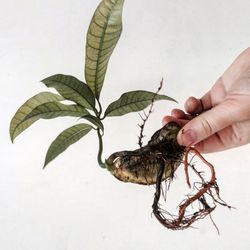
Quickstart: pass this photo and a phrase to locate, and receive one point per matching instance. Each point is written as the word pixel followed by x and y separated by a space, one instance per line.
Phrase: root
pixel 206 189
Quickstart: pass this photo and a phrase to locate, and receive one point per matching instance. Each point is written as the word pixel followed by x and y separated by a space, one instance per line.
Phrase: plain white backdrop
pixel 74 204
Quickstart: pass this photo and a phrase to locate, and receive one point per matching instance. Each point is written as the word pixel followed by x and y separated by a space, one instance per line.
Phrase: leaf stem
pixel 99 156
pixel 100 108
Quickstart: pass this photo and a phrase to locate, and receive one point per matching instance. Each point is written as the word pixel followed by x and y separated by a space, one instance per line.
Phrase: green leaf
pixel 55 109
pixel 133 101
pixel 72 89
pixel 96 121
pixel 103 34
pixel 65 139
pixel 19 123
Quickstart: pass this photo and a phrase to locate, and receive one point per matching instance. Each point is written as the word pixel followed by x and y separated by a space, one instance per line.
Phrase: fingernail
pixel 187 137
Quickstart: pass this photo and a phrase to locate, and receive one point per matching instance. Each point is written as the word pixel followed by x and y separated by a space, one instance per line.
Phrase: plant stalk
pixel 100 108
pixel 99 156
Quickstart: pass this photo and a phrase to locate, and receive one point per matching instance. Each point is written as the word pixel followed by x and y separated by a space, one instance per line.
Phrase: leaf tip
pixel 12 137
pixel 46 161
pixel 44 80
pixel 45 164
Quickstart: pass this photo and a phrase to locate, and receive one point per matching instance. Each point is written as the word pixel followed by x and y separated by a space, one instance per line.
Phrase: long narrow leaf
pixel 65 139
pixel 133 101
pixel 72 89
pixel 103 34
pixel 18 123
pixel 55 109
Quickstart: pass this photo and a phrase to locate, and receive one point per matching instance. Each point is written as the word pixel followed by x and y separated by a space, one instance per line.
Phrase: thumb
pixel 209 122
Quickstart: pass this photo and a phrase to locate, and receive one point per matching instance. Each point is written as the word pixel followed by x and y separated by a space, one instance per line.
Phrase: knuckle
pixel 207 127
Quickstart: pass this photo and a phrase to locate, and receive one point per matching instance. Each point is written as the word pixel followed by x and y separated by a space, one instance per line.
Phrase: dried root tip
pixel 146 115
pixel 205 189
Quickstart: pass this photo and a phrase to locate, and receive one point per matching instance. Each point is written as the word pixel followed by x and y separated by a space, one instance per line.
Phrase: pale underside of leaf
pixel 65 139
pixel 133 101
pixel 103 34
pixel 72 89
pixel 18 123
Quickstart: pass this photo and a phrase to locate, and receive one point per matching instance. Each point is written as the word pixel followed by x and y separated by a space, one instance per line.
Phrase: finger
pixel 168 119
pixel 209 122
pixel 180 114
pixel 192 105
pixel 229 137
pixel 213 143
pixel 206 101
pixel 195 106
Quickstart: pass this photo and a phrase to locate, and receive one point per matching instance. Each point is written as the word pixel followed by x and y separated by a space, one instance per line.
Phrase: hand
pixel 221 118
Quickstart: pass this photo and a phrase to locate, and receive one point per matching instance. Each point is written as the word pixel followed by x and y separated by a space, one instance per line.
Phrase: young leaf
pixel 103 34
pixel 65 139
pixel 96 121
pixel 72 89
pixel 55 109
pixel 133 101
pixel 18 123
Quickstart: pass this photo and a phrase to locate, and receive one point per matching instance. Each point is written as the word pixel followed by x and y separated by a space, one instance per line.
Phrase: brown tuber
pixel 157 162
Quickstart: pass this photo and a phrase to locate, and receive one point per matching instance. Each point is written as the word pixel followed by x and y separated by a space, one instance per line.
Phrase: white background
pixel 74 204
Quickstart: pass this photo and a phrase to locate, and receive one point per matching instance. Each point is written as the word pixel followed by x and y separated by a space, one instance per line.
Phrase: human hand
pixel 221 118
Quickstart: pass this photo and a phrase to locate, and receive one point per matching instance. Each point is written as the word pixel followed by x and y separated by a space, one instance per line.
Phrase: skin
pixel 220 119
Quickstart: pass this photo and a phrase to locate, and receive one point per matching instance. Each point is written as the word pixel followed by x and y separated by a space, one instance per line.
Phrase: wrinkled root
pixel 205 189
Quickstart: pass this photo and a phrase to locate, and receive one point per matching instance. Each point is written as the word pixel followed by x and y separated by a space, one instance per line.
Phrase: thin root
pixel 205 189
